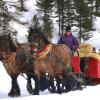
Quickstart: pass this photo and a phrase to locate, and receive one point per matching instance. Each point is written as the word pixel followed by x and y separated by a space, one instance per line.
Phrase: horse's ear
pixel 9 35
pixel 12 43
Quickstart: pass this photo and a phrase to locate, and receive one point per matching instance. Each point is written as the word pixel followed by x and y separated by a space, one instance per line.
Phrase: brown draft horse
pixel 58 58
pixel 55 63
pixel 16 60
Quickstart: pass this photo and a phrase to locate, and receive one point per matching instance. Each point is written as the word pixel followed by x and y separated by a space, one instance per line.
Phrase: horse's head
pixel 37 38
pixel 6 45
pixel 33 35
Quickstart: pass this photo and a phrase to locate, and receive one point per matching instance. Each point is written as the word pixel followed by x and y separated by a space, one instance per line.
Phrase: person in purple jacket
pixel 72 42
pixel 69 40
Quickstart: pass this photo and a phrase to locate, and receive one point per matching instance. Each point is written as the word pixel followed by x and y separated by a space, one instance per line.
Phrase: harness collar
pixel 42 53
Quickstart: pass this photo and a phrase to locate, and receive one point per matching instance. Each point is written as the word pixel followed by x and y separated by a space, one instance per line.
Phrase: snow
pixel 90 92
pixel 27 17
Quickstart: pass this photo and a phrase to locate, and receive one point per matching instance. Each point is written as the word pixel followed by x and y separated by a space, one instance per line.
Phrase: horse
pixel 53 63
pixel 58 57
pixel 16 59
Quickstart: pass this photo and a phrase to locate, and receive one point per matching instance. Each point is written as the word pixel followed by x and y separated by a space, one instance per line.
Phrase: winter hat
pixel 68 28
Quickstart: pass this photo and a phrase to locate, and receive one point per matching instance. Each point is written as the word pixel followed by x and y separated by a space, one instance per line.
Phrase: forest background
pixel 51 17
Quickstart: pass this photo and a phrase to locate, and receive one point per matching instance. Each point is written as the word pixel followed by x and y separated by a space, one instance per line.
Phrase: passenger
pixel 72 42
pixel 69 40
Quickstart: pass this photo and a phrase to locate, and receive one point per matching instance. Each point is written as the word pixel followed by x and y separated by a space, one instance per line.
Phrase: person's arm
pixel 75 44
pixel 60 40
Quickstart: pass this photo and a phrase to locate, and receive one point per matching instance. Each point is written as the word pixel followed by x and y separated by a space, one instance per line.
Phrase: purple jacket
pixel 71 41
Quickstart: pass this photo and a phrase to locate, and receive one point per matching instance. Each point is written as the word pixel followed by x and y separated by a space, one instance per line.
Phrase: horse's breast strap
pixel 42 53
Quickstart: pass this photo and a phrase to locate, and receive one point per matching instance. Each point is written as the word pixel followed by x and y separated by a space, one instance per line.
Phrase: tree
pixel 97 8
pixel 4 21
pixel 5 18
pixel 59 13
pixel 19 5
pixel 35 23
pixel 45 8
pixel 69 12
pixel 22 5
pixel 65 13
pixel 83 18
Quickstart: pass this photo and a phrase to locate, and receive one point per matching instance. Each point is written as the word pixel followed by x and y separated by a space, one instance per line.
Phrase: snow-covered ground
pixel 90 92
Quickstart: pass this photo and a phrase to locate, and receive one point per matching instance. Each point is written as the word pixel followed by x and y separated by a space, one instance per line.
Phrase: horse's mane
pixel 43 37
pixel 40 34
pixel 13 45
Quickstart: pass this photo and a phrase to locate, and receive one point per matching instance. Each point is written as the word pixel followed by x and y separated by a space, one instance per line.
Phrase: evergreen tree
pixel 5 28
pixel 97 8
pixel 22 5
pixel 65 13
pixel 4 20
pixel 58 14
pixel 45 9
pixel 69 12
pixel 35 23
pixel 83 18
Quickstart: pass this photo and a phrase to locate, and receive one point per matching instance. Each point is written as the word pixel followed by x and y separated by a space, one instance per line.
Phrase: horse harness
pixel 47 51
pixel 39 54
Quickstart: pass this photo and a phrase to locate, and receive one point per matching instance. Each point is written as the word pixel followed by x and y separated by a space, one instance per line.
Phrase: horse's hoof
pixel 30 91
pixel 35 92
pixel 51 90
pixel 80 88
pixel 59 92
pixel 13 94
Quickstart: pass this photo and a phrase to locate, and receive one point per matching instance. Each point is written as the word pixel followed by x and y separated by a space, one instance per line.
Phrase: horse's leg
pixel 73 83
pixel 52 87
pixel 67 85
pixel 29 85
pixel 58 85
pixel 37 85
pixel 15 90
